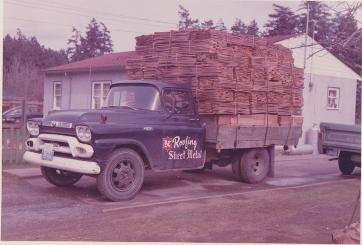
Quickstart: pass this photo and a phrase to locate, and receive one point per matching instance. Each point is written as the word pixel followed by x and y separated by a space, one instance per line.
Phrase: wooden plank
pixel 251 133
pixel 226 137
pixel 239 74
pixel 211 128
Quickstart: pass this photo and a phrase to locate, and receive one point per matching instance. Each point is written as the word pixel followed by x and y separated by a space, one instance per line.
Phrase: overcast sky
pixel 51 21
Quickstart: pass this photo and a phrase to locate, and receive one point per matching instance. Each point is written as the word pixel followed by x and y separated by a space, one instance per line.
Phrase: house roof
pixel 278 38
pixel 323 63
pixel 103 62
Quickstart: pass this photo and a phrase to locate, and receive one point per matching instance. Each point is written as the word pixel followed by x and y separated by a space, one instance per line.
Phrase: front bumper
pixel 73 165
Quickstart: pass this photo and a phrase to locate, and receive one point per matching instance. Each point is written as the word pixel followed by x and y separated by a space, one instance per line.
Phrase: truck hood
pixel 116 115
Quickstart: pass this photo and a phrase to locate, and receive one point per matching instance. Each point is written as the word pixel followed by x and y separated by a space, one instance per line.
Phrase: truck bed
pixel 340 137
pixel 238 136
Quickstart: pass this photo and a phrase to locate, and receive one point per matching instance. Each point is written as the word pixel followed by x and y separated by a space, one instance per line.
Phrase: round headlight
pixel 83 133
pixel 33 128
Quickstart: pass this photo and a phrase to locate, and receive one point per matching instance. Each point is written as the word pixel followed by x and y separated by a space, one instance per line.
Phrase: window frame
pixel 55 96
pixel 102 95
pixel 337 97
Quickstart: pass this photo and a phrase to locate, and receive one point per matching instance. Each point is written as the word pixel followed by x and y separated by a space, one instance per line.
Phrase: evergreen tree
pixel 282 22
pixel 252 28
pixel 97 41
pixel 239 27
pixel 185 21
pixel 220 26
pixel 208 25
pixel 344 26
pixel 74 50
pixel 24 58
pixel 332 31
pixel 319 21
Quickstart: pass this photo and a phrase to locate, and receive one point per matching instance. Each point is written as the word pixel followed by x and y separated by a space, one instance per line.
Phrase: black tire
pixel 345 164
pixel 60 177
pixel 122 176
pixel 253 165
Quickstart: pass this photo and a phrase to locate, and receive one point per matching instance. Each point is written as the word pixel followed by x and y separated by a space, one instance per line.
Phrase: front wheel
pixel 122 176
pixel 252 166
pixel 60 177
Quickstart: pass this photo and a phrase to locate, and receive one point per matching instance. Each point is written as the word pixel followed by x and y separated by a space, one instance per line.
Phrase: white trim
pixel 54 96
pixel 74 165
pixel 101 83
pixel 337 97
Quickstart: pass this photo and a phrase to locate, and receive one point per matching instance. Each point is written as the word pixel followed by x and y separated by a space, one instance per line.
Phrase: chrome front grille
pixel 61 144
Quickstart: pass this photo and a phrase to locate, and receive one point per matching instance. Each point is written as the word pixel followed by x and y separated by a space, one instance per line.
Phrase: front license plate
pixel 47 152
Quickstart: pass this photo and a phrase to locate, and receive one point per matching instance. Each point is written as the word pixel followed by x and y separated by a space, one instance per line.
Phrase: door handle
pixel 193 119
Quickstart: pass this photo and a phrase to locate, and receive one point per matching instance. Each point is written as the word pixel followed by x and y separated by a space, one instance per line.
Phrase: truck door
pixel 183 135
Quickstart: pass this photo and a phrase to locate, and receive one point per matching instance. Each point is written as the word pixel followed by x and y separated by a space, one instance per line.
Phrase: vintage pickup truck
pixel 146 125
pixel 343 141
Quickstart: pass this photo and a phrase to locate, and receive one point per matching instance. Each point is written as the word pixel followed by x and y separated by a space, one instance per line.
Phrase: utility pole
pixel 311 58
pixel 306 36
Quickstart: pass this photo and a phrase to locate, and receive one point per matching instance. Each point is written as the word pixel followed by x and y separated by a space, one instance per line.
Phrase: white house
pixel 329 85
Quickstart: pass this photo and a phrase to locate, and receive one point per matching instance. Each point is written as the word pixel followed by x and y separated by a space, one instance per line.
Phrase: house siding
pixel 76 88
pixel 315 102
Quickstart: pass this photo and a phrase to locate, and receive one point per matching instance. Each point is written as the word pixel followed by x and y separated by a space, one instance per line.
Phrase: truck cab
pixel 144 125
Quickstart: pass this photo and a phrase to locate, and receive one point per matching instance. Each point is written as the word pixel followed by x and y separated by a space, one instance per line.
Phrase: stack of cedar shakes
pixel 241 79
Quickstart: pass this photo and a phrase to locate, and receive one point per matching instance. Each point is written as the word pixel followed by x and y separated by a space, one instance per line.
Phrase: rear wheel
pixel 252 166
pixel 122 176
pixel 60 177
pixel 345 164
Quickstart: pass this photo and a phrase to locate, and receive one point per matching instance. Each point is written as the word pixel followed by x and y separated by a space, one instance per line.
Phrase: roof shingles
pixel 103 62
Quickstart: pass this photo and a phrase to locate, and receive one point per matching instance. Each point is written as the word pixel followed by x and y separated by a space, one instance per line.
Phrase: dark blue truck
pixel 146 125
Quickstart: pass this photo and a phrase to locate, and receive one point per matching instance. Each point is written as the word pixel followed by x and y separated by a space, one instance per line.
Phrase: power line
pixel 118 15
pixel 75 12
pixel 72 12
pixel 67 26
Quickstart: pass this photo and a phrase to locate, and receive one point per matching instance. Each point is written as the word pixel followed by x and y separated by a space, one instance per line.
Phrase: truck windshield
pixel 144 97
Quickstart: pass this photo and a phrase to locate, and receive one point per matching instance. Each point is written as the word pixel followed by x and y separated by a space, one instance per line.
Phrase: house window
pixel 57 95
pixel 99 93
pixel 333 98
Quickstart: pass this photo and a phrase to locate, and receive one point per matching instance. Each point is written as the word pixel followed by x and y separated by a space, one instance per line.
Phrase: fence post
pixel 11 145
pixel 4 145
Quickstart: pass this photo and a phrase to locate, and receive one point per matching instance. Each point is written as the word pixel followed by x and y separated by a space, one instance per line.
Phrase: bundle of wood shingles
pixel 229 74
